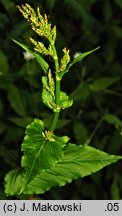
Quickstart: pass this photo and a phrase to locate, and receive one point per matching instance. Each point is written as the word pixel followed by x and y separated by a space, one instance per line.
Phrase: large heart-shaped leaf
pixel 42 150
pixel 78 161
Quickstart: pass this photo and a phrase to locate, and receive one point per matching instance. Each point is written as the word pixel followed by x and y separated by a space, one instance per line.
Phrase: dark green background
pixel 81 25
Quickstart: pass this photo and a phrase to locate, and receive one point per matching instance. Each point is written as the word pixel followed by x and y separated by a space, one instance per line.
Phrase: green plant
pixel 49 160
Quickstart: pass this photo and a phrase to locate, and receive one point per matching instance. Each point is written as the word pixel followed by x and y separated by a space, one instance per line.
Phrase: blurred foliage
pixel 95 86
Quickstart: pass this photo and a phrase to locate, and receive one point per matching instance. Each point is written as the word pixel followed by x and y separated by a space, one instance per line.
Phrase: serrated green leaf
pixel 44 65
pixel 42 149
pixel 78 161
pixel 13 182
pixel 80 57
pixel 16 100
pixel 103 83
pixel 40 152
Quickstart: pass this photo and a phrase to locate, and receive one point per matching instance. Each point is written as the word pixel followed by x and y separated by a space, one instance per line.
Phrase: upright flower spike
pixel 65 60
pixel 40 47
pixel 53 33
pixel 40 24
pixel 29 13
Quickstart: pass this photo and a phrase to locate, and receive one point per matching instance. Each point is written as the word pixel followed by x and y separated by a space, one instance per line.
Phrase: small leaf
pixel 78 161
pixel 16 100
pixel 65 102
pixel 44 65
pixel 112 119
pixel 103 83
pixel 80 57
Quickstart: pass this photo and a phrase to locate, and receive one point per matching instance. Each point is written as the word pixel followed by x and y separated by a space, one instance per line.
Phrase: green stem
pixel 57 93
pixel 55 120
pixel 57 90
